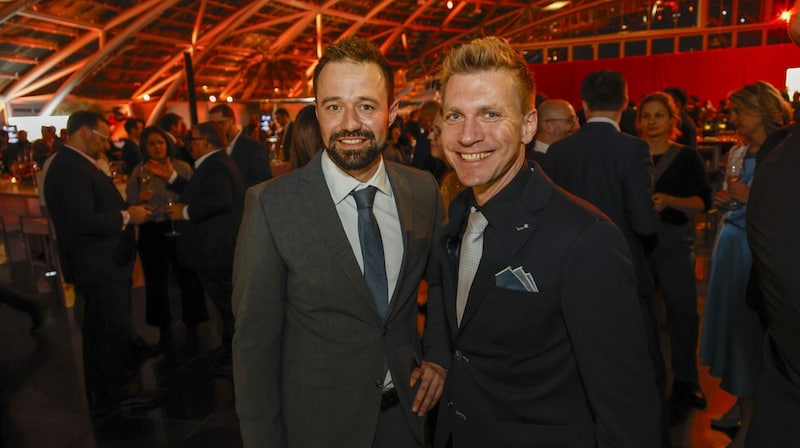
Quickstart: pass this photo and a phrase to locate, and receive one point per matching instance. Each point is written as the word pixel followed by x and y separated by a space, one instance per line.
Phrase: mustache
pixel 364 133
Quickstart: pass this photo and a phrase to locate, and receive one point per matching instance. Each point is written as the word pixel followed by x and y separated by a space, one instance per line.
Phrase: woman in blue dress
pixel 732 336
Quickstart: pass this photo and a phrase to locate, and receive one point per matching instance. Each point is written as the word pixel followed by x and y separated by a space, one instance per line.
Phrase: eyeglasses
pixel 103 138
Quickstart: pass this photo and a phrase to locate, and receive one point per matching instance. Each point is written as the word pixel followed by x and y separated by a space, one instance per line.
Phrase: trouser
pixel 219 288
pixel 158 255
pixel 654 351
pixel 393 430
pixel 673 264
pixel 103 313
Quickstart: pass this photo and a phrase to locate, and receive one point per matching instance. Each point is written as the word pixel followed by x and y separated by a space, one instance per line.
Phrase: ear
pixel 529 123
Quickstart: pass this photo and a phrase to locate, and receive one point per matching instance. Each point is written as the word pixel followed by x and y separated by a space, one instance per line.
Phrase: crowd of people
pixel 542 238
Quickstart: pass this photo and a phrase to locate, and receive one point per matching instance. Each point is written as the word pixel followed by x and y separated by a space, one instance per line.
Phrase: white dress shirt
pixel 340 184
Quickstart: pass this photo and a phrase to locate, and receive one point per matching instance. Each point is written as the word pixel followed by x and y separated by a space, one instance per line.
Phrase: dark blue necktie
pixel 369 234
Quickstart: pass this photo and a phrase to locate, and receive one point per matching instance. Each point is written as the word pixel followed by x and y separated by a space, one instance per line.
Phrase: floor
pixel 43 404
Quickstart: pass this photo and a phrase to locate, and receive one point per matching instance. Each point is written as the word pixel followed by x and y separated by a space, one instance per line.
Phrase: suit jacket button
pixel 449 403
pixel 458 355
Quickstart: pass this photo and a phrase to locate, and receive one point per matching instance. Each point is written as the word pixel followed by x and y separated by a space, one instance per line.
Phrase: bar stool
pixel 38 233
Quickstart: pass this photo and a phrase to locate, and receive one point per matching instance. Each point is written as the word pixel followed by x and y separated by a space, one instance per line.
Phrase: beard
pixel 353 160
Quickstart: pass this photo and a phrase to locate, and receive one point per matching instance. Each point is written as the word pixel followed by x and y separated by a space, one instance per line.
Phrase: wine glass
pixel 172 233
pixel 732 174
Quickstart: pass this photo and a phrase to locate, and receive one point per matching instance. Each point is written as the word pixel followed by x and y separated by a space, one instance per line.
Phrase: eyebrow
pixel 329 99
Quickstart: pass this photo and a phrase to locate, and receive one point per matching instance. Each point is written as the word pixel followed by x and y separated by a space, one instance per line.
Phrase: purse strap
pixel 664 163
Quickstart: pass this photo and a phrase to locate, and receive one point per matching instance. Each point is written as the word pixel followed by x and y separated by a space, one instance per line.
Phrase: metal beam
pixel 65 52
pixel 63 21
pixel 14 8
pixel 155 8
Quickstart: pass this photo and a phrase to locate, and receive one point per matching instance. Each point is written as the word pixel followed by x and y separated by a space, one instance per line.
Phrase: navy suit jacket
pixel 614 172
pixel 252 158
pixel 566 366
pixel 85 206
pixel 215 196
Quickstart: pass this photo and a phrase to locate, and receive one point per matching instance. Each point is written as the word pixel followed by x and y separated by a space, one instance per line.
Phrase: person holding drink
pixel 732 338
pixel 156 245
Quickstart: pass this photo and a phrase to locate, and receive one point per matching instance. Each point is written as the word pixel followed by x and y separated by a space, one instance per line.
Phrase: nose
pixel 351 121
pixel 471 132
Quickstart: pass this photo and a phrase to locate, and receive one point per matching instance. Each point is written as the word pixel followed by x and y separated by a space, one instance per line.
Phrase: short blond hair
pixel 490 54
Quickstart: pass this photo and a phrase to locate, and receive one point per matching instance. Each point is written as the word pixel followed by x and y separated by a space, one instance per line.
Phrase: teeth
pixel 351 141
pixel 478 156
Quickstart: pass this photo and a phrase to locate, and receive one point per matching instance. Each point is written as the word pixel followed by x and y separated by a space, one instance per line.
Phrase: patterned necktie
pixel 469 258
pixel 369 234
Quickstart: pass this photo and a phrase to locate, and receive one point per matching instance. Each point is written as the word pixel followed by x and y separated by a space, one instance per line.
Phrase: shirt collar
pixel 86 156
pixel 229 149
pixel 497 207
pixel 540 146
pixel 340 184
pixel 199 161
pixel 604 120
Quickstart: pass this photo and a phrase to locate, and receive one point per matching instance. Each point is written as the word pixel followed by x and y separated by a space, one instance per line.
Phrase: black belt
pixel 389 399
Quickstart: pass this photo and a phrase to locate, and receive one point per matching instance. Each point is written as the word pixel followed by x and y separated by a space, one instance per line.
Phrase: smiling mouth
pixel 473 157
pixel 352 141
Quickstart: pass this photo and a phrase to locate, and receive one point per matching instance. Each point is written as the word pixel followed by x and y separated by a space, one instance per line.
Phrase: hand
pixel 661 201
pixel 145 195
pixel 139 213
pixel 430 389
pixel 739 192
pixel 722 199
pixel 162 170
pixel 175 211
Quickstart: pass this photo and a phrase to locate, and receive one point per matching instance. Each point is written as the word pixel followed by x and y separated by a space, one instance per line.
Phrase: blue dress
pixel 732 337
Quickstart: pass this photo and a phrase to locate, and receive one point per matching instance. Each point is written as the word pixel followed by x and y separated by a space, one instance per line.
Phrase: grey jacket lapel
pixel 315 195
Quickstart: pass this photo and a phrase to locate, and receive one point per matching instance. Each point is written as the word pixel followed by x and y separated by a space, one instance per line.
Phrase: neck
pixel 658 145
pixel 611 114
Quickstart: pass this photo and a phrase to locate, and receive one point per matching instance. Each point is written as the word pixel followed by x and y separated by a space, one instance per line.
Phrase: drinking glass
pixel 732 174
pixel 172 233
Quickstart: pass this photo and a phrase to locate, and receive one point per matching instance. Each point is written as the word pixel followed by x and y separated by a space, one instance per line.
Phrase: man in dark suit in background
pixel 614 172
pixel 285 138
pixel 687 128
pixel 176 129
pixel 250 156
pixel 209 213
pixel 326 351
pixel 97 248
pixel 557 120
pixel 421 157
pixel 548 338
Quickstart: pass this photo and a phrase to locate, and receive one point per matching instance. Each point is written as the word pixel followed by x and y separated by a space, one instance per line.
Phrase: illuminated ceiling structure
pixel 262 49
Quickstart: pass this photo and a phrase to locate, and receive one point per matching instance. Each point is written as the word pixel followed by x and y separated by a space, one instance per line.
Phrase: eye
pixel 452 116
pixel 367 107
pixel 333 107
pixel 491 115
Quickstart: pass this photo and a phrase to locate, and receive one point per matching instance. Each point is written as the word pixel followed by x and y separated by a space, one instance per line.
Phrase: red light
pixel 786 16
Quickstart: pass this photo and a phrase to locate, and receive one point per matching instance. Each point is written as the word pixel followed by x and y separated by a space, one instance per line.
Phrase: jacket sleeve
pixel 604 320
pixel 436 340
pixel 638 191
pixel 259 297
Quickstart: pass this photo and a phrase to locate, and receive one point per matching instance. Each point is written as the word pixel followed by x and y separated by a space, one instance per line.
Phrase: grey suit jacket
pixel 309 346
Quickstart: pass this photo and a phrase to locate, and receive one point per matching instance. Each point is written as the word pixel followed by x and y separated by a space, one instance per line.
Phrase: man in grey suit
pixel 319 359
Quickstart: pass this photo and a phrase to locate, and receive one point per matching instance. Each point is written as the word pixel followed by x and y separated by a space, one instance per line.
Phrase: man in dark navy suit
pixel 209 213
pixel 549 346
pixel 251 157
pixel 95 229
